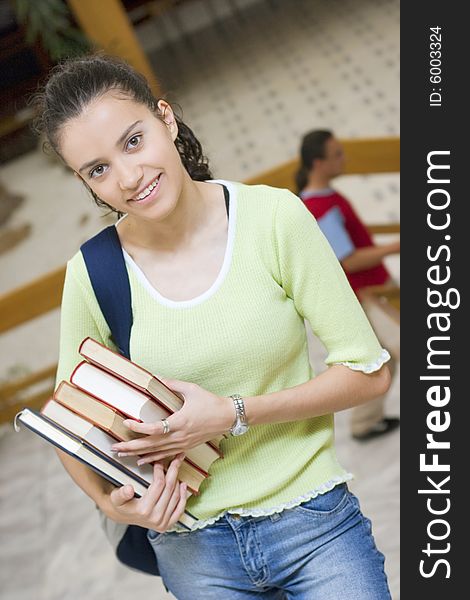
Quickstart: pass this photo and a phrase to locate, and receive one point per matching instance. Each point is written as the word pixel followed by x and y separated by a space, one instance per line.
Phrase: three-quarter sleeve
pixel 314 279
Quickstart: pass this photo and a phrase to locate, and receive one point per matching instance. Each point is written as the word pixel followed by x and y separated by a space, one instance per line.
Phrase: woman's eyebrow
pixel 121 139
pixel 126 133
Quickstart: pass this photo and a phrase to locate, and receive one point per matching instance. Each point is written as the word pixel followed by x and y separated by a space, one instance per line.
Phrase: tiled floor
pixel 249 85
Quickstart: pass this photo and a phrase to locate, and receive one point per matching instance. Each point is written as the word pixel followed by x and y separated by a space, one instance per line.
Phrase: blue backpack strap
pixel 106 267
pixel 108 275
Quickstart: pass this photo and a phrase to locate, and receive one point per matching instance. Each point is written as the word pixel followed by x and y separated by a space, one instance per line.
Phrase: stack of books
pixel 85 418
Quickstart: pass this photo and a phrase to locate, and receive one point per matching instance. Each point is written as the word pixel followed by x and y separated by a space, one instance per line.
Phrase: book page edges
pixel 67 419
pixel 43 427
pixel 86 405
pixel 80 427
pixel 110 390
pixel 162 393
pixel 129 371
pixel 148 383
pixel 115 363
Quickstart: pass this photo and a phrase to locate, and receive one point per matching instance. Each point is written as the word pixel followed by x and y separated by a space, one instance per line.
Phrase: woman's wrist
pixel 229 414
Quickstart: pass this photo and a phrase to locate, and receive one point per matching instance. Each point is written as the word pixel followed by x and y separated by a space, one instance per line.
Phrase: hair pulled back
pixel 75 83
pixel 312 147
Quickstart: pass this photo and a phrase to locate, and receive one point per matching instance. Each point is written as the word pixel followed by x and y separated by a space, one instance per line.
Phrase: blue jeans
pixel 320 550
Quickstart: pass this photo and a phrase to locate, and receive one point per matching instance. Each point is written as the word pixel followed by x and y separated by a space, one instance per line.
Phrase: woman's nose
pixel 130 177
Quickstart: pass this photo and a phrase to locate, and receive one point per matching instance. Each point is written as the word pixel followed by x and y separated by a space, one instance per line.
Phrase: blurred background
pixel 250 78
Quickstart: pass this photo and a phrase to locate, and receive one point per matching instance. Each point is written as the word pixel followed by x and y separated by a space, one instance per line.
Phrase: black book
pixel 112 470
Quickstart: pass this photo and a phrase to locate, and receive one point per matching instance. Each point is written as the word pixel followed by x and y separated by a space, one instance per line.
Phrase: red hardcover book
pixel 104 416
pixel 134 404
pixel 134 375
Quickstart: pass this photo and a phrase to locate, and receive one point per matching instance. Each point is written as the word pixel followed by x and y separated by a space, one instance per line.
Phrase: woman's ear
pixel 168 117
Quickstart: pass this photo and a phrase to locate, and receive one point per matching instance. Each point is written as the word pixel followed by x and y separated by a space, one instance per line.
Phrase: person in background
pixel 322 159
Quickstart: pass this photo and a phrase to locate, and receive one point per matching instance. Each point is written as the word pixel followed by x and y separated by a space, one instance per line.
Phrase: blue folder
pixel 332 227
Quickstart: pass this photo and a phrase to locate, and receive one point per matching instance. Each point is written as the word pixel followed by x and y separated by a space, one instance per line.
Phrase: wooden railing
pixel 363 157
pixel 17 307
pixel 366 156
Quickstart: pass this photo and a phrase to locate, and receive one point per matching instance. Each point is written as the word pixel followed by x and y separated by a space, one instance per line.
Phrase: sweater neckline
pixel 217 283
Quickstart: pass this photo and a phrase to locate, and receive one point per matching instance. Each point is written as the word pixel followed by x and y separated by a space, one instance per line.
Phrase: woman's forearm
pixel 368 257
pixel 336 389
pixel 204 413
pixel 94 486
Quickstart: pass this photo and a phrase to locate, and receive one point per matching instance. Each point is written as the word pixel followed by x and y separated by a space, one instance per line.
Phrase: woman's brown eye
pixel 134 141
pixel 97 171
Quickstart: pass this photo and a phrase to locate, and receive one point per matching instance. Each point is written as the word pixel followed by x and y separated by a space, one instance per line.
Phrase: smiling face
pixel 126 155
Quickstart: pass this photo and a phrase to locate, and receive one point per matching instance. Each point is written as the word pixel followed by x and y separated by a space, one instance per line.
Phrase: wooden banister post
pixel 106 24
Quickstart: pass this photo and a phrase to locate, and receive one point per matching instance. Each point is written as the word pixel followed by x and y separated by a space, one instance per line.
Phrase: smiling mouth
pixel 147 190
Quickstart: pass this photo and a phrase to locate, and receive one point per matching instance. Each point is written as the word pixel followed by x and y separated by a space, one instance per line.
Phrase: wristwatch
pixel 240 425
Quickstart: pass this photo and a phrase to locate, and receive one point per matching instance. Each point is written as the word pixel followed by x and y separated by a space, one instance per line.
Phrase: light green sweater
pixel 246 335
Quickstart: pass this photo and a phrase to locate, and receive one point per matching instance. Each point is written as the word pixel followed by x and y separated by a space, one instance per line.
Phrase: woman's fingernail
pixel 121 454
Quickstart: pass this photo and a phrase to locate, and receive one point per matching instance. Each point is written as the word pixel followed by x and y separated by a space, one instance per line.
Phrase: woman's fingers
pixel 172 474
pixel 147 428
pixel 154 503
pixel 161 500
pixel 171 481
pixel 173 502
pixel 165 453
pixel 139 446
pixel 167 449
pixel 154 491
pixel 179 510
pixel 122 495
pixel 182 388
pixel 150 458
pixel 153 439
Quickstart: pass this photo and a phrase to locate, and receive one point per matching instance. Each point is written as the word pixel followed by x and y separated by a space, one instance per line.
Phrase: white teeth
pixel 148 189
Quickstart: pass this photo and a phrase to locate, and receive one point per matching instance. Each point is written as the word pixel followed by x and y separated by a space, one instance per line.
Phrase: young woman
pixel 222 276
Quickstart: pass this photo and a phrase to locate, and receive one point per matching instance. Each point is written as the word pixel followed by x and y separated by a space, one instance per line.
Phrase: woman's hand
pixel 160 507
pixel 202 417
pixel 394 247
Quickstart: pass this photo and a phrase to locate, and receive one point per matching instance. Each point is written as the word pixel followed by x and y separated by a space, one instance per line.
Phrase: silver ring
pixel 166 426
